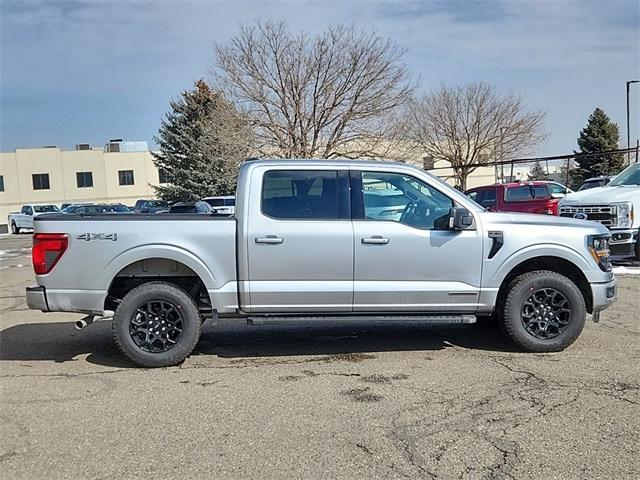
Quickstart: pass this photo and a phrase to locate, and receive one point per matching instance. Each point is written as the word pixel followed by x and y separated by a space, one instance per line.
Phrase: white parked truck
pixel 616 206
pixel 24 219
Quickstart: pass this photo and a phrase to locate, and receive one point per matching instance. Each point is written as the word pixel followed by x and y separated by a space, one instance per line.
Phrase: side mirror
pixel 459 218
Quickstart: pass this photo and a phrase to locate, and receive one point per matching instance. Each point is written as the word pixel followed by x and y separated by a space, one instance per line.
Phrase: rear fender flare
pixel 146 252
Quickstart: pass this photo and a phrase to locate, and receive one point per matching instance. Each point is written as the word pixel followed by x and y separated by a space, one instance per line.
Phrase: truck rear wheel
pixel 544 311
pixel 157 325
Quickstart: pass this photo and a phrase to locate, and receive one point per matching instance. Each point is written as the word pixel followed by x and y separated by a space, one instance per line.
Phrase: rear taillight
pixel 48 248
pixel 552 207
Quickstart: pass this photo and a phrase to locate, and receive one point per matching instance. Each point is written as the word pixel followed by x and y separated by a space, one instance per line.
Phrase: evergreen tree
pixel 203 139
pixel 537 172
pixel 600 135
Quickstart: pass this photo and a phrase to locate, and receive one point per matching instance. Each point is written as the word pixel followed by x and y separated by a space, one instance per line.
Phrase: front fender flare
pixel 542 250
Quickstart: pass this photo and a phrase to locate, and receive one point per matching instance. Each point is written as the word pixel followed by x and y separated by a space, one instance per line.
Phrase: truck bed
pixel 102 247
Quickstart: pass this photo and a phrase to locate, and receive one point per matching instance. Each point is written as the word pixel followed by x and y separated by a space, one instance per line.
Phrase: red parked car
pixel 529 197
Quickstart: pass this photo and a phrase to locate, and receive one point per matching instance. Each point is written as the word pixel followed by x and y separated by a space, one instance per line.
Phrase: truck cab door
pixel 299 241
pixel 411 261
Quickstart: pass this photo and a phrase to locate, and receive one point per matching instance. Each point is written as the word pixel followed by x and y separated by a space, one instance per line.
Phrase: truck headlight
pixel 599 248
pixel 624 214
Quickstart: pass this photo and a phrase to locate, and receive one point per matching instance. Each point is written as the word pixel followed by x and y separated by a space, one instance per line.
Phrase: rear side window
pixel 300 194
pixel 526 192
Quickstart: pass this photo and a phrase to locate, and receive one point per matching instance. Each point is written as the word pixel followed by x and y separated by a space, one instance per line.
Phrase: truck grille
pixel 605 214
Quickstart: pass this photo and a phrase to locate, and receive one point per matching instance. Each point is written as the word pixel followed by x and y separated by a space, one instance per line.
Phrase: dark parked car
pixel 88 208
pixel 150 206
pixel 530 197
pixel 595 182
pixel 191 207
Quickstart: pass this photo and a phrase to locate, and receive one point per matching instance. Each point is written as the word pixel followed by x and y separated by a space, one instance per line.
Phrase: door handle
pixel 270 240
pixel 375 240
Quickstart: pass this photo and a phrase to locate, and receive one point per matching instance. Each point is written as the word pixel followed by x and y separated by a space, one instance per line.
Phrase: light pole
pixel 629 82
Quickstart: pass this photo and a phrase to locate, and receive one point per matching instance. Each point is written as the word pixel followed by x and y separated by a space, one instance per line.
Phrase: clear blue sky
pixel 86 71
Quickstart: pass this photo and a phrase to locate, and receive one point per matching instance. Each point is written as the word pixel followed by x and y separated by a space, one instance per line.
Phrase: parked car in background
pixel 595 182
pixel 84 208
pixel 150 206
pixel 65 205
pixel 302 248
pixel 225 205
pixel 191 207
pixel 529 197
pixel 24 218
pixel 616 206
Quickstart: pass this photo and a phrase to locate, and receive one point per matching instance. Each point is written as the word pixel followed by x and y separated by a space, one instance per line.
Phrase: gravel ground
pixel 316 401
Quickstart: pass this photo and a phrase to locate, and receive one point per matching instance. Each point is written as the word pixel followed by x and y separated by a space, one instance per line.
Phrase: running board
pixel 430 319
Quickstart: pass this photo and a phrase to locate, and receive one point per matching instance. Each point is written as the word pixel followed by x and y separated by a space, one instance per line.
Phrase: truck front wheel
pixel 157 325
pixel 544 311
pixel 14 228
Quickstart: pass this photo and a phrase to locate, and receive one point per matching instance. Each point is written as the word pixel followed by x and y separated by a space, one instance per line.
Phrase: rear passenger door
pixel 299 241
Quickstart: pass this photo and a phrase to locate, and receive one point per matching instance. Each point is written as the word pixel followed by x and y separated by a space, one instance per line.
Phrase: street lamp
pixel 629 82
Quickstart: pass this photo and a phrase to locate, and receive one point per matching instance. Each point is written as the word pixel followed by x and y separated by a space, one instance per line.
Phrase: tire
pixel 637 249
pixel 14 228
pixel 151 308
pixel 527 295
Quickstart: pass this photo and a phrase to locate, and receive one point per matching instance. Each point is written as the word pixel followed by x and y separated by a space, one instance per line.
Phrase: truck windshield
pixel 629 176
pixel 45 208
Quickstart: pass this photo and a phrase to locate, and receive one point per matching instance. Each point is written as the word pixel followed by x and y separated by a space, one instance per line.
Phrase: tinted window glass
pixel 45 208
pixel 125 177
pixel 485 197
pixel 215 202
pixel 526 192
pixel 413 203
pixel 229 202
pixel 40 181
pixel 300 194
pixel 84 179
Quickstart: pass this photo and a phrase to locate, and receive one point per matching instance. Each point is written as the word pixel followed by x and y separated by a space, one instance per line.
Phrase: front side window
pixel 557 188
pixel 300 194
pixel 84 179
pixel 404 199
pixel 125 177
pixel 40 181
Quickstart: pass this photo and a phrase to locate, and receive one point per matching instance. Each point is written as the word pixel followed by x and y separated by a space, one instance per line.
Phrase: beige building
pixel 51 175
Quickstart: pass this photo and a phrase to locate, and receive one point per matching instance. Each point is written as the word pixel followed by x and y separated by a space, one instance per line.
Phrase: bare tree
pixel 473 125
pixel 335 94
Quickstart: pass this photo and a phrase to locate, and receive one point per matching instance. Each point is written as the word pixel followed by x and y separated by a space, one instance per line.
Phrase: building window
pixel 84 179
pixel 125 177
pixel 163 176
pixel 40 181
pixel 1 183
pixel 428 163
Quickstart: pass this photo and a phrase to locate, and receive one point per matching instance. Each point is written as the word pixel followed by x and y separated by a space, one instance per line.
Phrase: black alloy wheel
pixel 546 313
pixel 156 326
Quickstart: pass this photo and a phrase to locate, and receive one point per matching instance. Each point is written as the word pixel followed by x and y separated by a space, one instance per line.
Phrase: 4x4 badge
pixel 97 236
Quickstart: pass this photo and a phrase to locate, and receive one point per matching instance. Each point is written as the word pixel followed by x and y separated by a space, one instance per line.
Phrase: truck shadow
pixel 61 342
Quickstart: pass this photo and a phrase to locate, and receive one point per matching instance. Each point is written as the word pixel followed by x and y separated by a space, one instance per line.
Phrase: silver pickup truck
pixel 311 241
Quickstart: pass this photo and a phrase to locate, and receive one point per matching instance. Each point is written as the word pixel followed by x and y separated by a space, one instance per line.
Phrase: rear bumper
pixel 604 294
pixel 37 298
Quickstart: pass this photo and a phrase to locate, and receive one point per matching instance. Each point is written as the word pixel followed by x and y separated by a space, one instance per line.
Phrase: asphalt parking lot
pixel 316 401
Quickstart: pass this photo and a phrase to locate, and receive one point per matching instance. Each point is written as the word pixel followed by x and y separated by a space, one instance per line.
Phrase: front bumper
pixel 623 242
pixel 37 298
pixel 604 294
